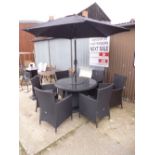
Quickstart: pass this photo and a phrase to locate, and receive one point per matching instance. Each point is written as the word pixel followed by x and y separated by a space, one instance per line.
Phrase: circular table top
pixel 82 84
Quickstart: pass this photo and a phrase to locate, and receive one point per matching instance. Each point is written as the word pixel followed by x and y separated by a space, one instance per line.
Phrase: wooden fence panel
pixel 122 48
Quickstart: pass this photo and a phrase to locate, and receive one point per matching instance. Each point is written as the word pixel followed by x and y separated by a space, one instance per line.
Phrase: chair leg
pixel 21 84
pixel 55 130
pixel 79 115
pixel 121 106
pixel 36 108
pixel 96 124
pixel 39 121
pixel 27 88
pixel 40 117
pixel 40 79
pixel 109 115
pixel 37 105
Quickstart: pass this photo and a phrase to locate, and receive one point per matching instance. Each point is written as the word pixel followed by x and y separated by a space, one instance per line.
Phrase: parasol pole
pixel 71 56
pixel 75 60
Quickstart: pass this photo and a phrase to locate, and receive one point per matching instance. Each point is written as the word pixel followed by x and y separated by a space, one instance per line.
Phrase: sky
pixel 117 10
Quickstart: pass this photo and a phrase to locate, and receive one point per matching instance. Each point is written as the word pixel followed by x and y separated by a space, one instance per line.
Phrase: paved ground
pixel 78 136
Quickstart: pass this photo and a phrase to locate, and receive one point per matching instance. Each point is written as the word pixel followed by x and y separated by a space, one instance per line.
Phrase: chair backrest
pixel 119 81
pixel 36 81
pixel 103 98
pixel 62 74
pixel 46 100
pixel 98 75
pixel 26 75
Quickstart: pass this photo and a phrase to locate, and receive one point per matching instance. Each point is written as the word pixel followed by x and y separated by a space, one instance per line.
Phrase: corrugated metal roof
pixel 131 23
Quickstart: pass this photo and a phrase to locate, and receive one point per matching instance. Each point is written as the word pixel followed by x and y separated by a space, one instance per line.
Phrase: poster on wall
pixel 99 52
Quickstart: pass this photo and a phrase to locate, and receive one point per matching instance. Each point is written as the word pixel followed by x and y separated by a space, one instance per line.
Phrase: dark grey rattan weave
pixel 36 83
pixel 98 75
pixel 95 109
pixel 62 74
pixel 52 110
pixel 119 83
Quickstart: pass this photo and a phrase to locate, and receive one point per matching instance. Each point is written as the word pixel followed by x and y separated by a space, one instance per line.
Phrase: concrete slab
pixel 79 136
pixel 35 137
pixel 121 128
pixel 87 140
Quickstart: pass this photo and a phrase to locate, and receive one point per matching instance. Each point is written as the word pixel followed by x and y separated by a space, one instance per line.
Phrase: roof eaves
pixel 127 24
pixel 42 39
pixel 29 22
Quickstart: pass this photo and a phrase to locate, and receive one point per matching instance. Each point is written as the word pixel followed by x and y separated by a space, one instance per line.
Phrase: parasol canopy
pixel 74 26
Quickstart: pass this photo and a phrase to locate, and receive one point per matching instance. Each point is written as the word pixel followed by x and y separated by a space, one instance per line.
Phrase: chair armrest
pixel 65 99
pixel 48 90
pixel 48 87
pixel 102 85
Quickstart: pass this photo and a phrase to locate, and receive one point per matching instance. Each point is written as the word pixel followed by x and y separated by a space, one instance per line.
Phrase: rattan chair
pixel 62 74
pixel 36 83
pixel 25 78
pixel 119 84
pixel 52 110
pixel 95 109
pixel 98 75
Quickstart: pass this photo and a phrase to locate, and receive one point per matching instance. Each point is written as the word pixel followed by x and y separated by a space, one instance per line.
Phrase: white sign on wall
pixel 99 52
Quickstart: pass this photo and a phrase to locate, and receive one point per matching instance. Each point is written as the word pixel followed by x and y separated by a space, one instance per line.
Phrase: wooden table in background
pixel 47 75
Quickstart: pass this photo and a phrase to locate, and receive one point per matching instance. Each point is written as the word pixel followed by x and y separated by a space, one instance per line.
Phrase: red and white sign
pixel 99 52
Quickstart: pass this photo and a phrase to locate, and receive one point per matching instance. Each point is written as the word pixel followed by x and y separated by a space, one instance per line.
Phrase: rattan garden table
pixel 69 85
